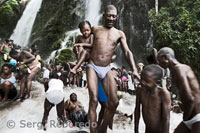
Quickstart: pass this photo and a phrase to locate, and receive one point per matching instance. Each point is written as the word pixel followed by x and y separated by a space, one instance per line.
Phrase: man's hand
pixel 135 75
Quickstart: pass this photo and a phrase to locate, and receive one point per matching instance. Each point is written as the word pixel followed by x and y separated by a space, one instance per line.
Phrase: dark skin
pixel 188 89
pixel 6 86
pixel 156 104
pixel 72 105
pixel 27 58
pixel 48 106
pixel 83 46
pixel 106 38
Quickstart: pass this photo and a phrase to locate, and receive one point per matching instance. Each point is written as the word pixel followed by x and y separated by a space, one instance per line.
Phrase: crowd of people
pixel 94 50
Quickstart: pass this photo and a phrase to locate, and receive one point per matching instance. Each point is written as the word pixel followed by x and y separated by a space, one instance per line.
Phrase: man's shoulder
pixel 181 68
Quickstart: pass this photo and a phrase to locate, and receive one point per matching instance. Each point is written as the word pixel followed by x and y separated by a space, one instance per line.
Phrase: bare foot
pixel 4 99
pixel 26 96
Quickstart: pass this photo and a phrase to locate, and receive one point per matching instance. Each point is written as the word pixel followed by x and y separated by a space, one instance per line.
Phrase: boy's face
pixel 86 30
pixel 148 81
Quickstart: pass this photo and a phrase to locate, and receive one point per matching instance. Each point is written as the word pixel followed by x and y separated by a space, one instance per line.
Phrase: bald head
pixel 166 51
pixel 110 7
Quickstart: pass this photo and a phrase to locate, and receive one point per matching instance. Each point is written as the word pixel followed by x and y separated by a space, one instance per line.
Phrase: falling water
pixel 26 116
pixel 92 15
pixel 93 11
pixel 24 26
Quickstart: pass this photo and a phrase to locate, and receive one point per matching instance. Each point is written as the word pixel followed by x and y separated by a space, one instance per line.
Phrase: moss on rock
pixel 10 13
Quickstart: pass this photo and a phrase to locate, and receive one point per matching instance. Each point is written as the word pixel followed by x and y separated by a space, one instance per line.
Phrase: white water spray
pixel 24 26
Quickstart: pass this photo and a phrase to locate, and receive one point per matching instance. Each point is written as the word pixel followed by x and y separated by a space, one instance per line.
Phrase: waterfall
pixel 92 14
pixel 150 39
pixel 24 26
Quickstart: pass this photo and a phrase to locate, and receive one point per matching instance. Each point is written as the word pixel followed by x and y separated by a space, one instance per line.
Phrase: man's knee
pixel 93 102
pixel 113 104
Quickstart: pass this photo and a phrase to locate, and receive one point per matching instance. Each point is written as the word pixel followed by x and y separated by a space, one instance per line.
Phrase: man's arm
pixel 137 109
pixel 128 54
pixel 185 92
pixel 165 108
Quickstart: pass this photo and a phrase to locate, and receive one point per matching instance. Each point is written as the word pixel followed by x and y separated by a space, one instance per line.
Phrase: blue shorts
pixel 101 94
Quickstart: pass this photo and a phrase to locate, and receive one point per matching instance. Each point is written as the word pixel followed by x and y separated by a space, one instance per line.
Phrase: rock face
pixel 53 20
pixel 10 13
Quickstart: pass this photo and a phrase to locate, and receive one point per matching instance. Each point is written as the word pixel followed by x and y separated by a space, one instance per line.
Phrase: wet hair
pixel 80 26
pixel 166 51
pixel 156 70
pixel 110 7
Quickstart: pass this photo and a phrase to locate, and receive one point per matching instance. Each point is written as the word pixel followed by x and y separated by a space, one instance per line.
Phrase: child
pixel 83 44
pixel 155 101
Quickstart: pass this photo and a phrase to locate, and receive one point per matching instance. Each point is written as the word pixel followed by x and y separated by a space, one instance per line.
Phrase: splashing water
pixel 24 26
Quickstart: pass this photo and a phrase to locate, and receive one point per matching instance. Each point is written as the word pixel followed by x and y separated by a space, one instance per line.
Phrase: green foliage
pixel 56 45
pixel 66 55
pixel 10 12
pixel 178 27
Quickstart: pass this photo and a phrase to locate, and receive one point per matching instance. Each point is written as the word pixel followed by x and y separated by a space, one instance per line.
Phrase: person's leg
pixel 181 128
pixel 93 95
pixel 83 55
pixel 6 88
pixel 196 127
pixel 109 85
pixel 101 113
pixel 22 86
pixel 30 77
pixel 47 108
pixel 60 111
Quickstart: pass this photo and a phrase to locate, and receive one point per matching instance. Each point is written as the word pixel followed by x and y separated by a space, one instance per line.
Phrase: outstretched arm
pixel 128 55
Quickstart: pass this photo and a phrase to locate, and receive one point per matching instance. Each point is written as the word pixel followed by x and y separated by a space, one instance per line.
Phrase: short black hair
pixel 166 51
pixel 156 70
pixel 83 23
pixel 6 65
pixel 110 7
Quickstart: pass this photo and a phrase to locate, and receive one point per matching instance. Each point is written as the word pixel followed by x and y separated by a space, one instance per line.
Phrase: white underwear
pixel 55 96
pixel 195 119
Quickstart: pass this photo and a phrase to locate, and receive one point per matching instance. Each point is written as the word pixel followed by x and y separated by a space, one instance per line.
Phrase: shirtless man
pixel 75 111
pixel 188 88
pixel 155 101
pixel 26 58
pixel 106 38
